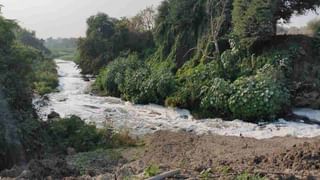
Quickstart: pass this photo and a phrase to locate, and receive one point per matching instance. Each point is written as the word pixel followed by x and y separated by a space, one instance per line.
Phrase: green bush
pixel 253 19
pixel 151 171
pixel 74 133
pixel 132 87
pixel 136 81
pixel 260 96
pixel 215 97
pixel 230 60
pixel 46 77
pixel 111 78
pixel 146 86
pixel 191 80
pixel 157 87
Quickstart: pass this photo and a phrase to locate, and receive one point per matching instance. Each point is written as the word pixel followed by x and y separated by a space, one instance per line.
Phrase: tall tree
pixel 286 8
pixel 253 18
pixel 259 18
pixel 144 20
pixel 106 39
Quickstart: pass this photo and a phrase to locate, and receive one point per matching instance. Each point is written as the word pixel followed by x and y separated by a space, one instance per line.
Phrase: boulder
pixel 53 115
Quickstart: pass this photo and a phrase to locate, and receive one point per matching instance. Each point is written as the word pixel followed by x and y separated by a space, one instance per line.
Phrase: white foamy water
pixel 73 99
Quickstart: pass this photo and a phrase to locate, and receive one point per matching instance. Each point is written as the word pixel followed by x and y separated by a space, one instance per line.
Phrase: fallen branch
pixel 165 175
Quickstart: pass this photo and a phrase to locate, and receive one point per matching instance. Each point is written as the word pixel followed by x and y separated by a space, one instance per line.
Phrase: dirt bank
pixel 231 155
pixel 217 157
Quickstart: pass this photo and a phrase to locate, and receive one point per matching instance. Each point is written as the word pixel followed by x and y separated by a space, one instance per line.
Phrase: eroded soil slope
pixel 227 157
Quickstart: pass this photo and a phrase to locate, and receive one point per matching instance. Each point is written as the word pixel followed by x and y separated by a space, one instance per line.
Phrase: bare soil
pixel 222 157
pixel 230 156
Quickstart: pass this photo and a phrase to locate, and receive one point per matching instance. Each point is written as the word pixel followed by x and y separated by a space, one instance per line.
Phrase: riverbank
pixel 206 156
pixel 74 99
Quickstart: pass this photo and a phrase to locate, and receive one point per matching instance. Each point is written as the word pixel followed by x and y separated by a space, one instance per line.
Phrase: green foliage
pixel 209 53
pixel 111 79
pixel 45 77
pixel 106 38
pixel 259 96
pixel 75 133
pixel 247 176
pixel 205 174
pixel 215 96
pixel 156 86
pixel 29 39
pixel 7 35
pixel 192 80
pixel 230 60
pixel 21 60
pixel 253 20
pixel 133 80
pixel 151 171
pixel 182 34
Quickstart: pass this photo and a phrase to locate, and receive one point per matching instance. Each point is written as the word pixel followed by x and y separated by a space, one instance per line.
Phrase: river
pixel 74 98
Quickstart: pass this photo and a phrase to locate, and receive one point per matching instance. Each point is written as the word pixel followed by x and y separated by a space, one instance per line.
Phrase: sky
pixel 67 18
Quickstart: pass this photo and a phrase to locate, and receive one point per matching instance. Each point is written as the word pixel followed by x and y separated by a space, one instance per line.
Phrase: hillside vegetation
pixel 214 57
pixel 24 69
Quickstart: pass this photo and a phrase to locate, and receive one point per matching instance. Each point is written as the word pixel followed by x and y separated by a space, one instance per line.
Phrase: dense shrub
pixel 159 85
pixel 215 97
pixel 132 87
pixel 20 57
pixel 260 96
pixel 253 18
pixel 230 60
pixel 111 78
pixel 191 80
pixel 74 133
pixel 46 78
pixel 133 80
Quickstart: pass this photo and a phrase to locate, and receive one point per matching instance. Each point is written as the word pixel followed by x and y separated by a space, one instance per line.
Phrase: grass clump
pixel 151 170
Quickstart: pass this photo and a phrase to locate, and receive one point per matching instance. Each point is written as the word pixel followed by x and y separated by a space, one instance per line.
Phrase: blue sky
pixel 67 18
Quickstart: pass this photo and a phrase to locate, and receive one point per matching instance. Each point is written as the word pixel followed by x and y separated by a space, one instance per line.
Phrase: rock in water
pixel 53 115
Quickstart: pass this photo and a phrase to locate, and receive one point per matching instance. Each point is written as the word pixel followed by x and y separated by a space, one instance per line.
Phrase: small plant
pixel 205 174
pixel 151 170
pixel 224 170
pixel 247 176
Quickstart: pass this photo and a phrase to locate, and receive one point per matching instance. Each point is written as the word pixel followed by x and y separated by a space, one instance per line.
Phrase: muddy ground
pixel 206 157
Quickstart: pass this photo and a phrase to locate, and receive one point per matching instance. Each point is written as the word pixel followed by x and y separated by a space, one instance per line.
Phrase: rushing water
pixel 73 99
